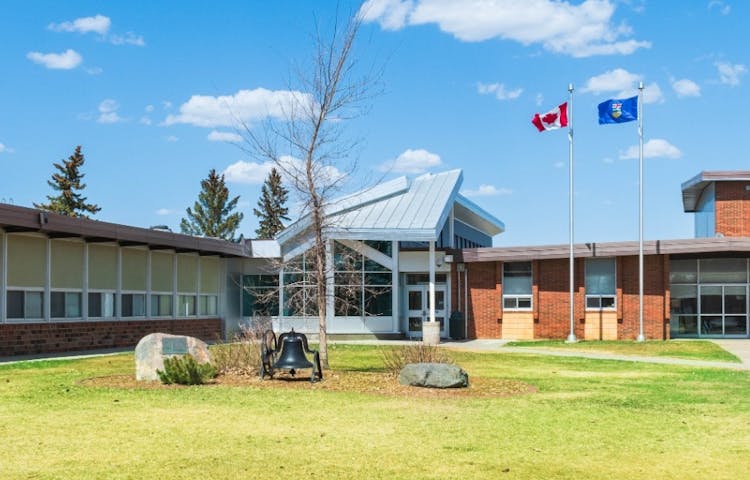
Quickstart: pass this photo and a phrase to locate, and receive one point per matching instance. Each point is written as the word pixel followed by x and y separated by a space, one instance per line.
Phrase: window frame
pixel 601 301
pixel 512 301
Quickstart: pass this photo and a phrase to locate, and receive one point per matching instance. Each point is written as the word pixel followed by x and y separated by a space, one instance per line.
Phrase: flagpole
pixel 572 334
pixel 641 337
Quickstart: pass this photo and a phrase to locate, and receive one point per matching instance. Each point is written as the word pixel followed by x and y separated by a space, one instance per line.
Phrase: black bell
pixel 292 355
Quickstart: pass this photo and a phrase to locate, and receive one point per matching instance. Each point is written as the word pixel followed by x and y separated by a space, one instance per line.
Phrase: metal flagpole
pixel 641 337
pixel 572 334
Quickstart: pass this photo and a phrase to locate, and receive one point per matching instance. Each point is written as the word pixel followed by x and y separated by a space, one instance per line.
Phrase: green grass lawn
pixel 590 419
pixel 688 349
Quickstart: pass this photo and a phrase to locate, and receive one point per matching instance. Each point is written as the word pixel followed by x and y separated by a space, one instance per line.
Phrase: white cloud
pixel 129 38
pixel 217 136
pixel 108 112
pixel 487 191
pixel 67 60
pixel 581 30
pixel 166 211
pixel 246 106
pixel 498 90
pixel 250 173
pixel 686 88
pixel 722 7
pixel 619 83
pixel 539 99
pixel 97 24
pixel 654 148
pixel 5 149
pixel 412 161
pixel 730 74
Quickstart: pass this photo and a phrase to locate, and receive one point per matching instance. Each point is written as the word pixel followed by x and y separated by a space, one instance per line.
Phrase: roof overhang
pixel 693 189
pixel 472 214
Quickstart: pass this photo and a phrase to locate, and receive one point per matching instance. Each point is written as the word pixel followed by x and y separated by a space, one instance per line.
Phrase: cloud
pixel 250 173
pixel 245 106
pixel 654 148
pixel 145 121
pixel 229 137
pixel 412 162
pixel 720 6
pixel 498 90
pixel 97 24
pixel 686 88
pixel 166 211
pixel 148 108
pixel 129 38
pixel 730 74
pixel 108 112
pixel 5 149
pixel 67 60
pixel 581 30
pixel 487 191
pixel 94 70
pixel 619 83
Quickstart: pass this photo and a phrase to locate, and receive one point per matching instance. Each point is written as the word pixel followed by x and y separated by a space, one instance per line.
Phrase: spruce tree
pixel 212 215
pixel 271 210
pixel 67 181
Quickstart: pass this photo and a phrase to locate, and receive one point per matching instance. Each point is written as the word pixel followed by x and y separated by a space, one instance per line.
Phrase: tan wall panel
pixel 210 269
pixel 518 325
pixel 161 272
pixel 67 264
pixel 187 273
pixel 134 269
pixel 102 267
pixel 601 326
pixel 26 261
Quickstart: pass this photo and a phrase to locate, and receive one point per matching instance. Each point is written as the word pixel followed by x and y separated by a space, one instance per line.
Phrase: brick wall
pixel 655 298
pixel 485 291
pixel 733 209
pixel 554 299
pixel 35 338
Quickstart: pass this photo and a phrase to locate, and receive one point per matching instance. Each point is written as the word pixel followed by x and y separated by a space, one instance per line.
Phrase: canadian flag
pixel 553 119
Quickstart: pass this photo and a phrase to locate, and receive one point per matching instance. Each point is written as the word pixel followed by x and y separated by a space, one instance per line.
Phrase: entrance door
pixel 417 298
pixel 723 310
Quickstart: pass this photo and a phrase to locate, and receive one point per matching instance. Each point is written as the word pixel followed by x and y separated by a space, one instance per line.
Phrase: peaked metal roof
pixel 693 189
pixel 400 210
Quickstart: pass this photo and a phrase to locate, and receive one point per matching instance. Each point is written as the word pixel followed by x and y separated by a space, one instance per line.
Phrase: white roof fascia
pixel 495 225
pixel 448 205
pixel 369 252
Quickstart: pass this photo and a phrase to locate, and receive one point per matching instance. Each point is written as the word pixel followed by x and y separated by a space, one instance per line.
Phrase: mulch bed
pixel 336 381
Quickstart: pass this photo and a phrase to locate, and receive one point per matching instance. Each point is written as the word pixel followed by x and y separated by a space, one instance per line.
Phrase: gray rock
pixel 155 347
pixel 433 375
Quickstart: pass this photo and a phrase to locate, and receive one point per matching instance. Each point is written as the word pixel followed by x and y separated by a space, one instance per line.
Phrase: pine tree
pixel 271 210
pixel 212 215
pixel 68 182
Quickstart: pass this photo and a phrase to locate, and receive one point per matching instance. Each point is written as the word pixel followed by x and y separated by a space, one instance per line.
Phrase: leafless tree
pixel 312 149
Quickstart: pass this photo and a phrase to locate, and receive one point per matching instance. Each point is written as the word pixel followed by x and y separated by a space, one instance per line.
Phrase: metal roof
pixel 400 210
pixel 693 189
pixel 23 219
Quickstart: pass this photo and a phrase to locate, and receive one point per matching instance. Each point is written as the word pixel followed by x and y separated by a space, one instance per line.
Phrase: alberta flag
pixel 553 119
pixel 618 111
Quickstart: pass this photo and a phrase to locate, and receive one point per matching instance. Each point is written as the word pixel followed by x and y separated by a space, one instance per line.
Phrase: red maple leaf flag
pixel 552 120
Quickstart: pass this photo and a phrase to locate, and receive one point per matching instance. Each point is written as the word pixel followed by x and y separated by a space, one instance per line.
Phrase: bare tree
pixel 310 146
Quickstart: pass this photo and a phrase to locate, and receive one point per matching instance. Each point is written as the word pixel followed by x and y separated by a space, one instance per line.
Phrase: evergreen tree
pixel 271 210
pixel 67 181
pixel 212 215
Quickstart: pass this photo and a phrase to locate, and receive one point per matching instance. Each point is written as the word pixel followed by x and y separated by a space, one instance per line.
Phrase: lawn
pixel 687 349
pixel 589 419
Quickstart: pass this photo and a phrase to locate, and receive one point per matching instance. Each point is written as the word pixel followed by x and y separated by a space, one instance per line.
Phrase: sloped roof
pixel 400 209
pixel 693 188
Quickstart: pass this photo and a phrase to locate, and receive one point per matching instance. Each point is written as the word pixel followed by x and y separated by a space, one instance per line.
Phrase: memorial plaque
pixel 174 346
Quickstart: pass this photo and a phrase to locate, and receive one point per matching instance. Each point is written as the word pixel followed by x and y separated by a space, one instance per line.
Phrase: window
pixel 161 305
pixel 25 304
pixel 101 304
pixel 517 284
pixel 186 306
pixel 133 304
pixel 65 304
pixel 208 305
pixel 600 283
pixel 260 295
pixel 363 286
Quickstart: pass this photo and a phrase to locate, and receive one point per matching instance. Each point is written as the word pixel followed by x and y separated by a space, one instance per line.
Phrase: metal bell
pixel 292 355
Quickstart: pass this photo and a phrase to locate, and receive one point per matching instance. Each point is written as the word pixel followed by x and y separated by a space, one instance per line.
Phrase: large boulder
pixel 433 375
pixel 155 347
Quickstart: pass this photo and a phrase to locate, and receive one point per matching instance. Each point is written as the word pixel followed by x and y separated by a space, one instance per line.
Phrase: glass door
pixel 417 299
pixel 723 310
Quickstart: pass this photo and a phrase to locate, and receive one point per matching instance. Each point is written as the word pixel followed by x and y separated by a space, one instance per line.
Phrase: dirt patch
pixel 337 381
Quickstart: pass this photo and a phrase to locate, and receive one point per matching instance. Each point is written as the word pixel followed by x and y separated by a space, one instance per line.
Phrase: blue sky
pixel 143 87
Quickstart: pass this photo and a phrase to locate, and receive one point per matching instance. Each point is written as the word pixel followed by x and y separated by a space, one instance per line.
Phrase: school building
pixel 70 284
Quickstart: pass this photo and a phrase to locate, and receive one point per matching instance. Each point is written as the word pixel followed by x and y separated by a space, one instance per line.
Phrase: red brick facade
pixel 733 209
pixel 35 338
pixel 551 298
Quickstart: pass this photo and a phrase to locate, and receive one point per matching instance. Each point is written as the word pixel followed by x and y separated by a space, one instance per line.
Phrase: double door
pixel 418 309
pixel 723 310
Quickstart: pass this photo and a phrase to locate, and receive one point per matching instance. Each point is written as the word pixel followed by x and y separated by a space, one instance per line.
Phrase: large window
pixel 25 304
pixel 600 283
pixel 133 304
pixel 260 295
pixel 102 304
pixel 517 284
pixel 362 285
pixel 65 304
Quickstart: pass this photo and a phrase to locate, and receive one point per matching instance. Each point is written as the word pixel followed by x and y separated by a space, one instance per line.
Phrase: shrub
pixel 242 355
pixel 395 358
pixel 184 370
